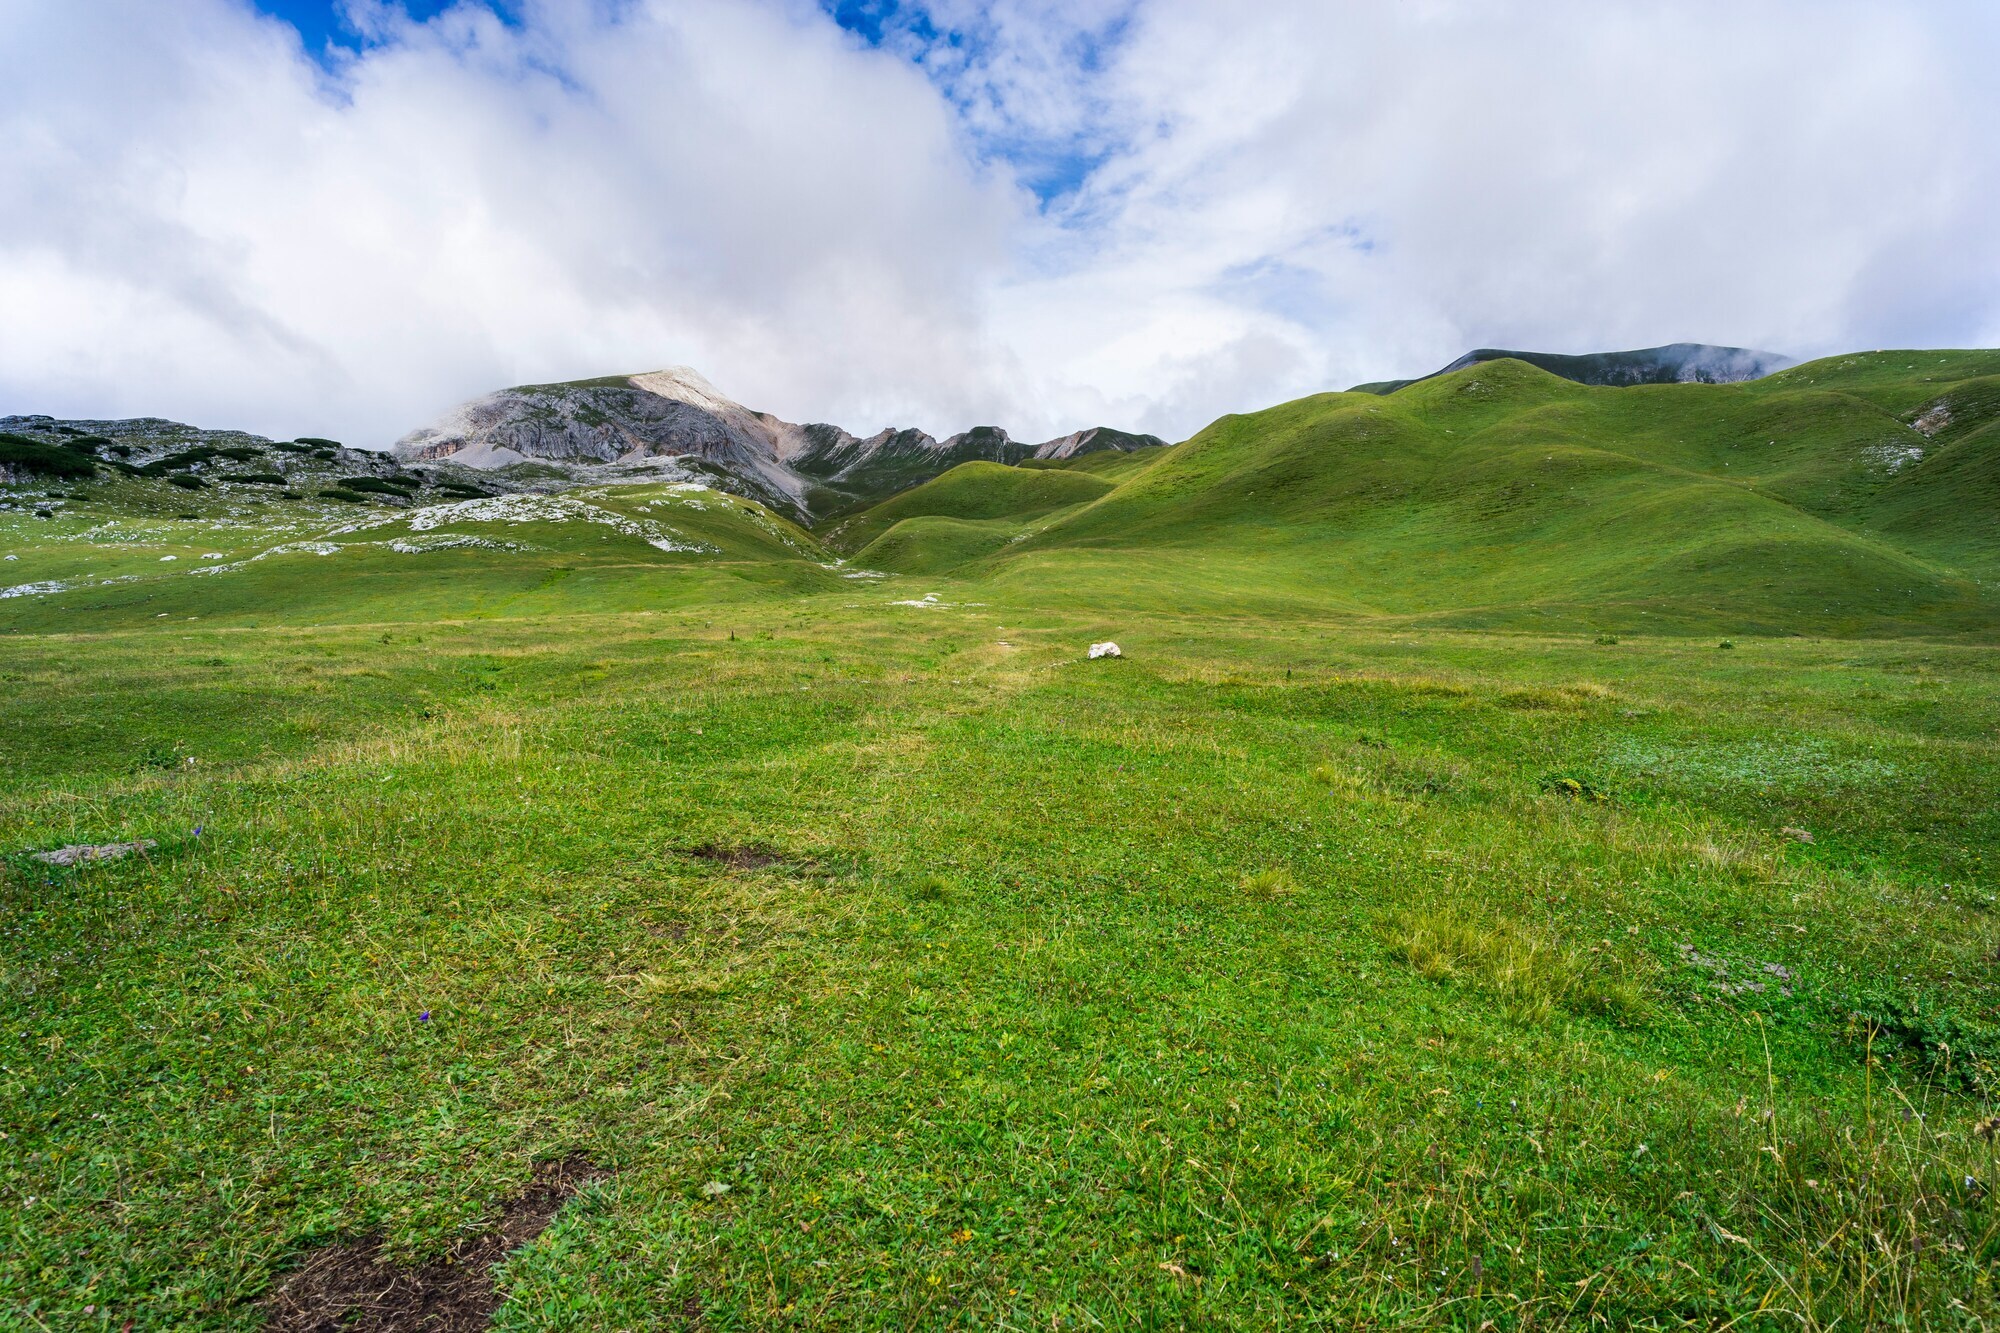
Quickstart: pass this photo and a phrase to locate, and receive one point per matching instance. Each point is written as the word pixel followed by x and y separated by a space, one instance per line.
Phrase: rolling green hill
pixel 974 491
pixel 1854 495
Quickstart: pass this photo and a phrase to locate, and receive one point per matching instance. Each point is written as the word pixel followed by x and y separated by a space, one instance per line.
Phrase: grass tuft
pixel 1532 976
pixel 1272 884
pixel 931 889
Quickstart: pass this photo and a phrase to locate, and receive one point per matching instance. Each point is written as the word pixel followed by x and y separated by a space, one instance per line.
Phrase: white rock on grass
pixel 83 851
pixel 1098 650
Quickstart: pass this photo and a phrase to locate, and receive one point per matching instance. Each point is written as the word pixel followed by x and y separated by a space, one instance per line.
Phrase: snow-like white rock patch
pixel 452 541
pixel 1107 649
pixel 518 509
pixel 1895 457
pixel 32 589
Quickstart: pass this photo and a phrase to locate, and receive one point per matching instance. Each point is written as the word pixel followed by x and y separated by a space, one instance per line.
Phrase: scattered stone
pixel 1934 419
pixel 80 852
pixel 1107 649
pixel 1796 834
pixel 715 1189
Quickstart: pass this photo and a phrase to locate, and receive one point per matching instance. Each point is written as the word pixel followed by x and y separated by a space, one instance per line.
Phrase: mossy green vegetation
pixel 1313 962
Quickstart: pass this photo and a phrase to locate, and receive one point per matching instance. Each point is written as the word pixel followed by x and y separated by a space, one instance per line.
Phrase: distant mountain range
pixel 668 426
pixel 813 471
pixel 1676 363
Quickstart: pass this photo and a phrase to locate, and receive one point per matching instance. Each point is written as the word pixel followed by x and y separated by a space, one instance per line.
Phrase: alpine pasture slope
pixel 1428 922
pixel 1835 498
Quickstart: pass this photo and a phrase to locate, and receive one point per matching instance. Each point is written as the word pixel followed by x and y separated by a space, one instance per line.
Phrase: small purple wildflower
pixel 197 830
pixel 424 1017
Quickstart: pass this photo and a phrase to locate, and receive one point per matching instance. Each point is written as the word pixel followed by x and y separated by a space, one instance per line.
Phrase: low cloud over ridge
pixel 1142 214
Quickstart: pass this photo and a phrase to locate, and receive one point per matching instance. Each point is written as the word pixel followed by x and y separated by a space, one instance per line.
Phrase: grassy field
pixel 1271 973
pixel 899 967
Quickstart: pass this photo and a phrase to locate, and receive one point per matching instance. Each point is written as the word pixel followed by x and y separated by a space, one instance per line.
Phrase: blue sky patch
pixel 959 60
pixel 324 23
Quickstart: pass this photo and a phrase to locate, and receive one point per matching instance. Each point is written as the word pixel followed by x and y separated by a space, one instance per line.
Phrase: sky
pixel 341 217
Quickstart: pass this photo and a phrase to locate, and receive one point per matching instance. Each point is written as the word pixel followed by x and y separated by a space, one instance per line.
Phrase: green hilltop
pixel 1849 496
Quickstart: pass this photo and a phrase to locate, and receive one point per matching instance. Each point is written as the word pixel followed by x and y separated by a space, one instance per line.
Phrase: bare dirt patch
pixel 735 858
pixel 353 1288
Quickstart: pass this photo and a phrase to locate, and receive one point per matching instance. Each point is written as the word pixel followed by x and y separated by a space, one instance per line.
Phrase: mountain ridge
pixel 814 470
pixel 1673 363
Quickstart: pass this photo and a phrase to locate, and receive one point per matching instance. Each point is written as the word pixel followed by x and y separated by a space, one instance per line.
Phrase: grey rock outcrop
pixel 813 470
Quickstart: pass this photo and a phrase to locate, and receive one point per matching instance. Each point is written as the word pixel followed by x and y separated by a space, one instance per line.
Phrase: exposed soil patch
pixel 352 1289
pixel 736 858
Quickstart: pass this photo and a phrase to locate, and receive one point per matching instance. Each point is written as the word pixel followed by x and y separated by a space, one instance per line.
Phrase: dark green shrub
pixel 187 482
pixel 291 448
pixel 175 462
pixel 1938 1041
pixel 315 442
pixel 373 486
pixel 255 478
pixel 463 491
pixel 20 454
pixel 240 453
pixel 344 496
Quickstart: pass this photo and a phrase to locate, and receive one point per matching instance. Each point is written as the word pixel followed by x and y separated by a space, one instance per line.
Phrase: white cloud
pixel 200 224
pixel 198 221
pixel 1383 187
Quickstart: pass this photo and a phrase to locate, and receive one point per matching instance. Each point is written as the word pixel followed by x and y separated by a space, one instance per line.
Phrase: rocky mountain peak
pixel 675 418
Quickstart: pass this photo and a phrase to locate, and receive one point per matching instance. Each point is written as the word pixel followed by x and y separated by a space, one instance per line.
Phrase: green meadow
pixel 1535 865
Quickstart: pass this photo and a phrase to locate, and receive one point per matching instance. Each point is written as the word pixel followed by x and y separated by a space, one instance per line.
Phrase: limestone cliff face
pixel 811 470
